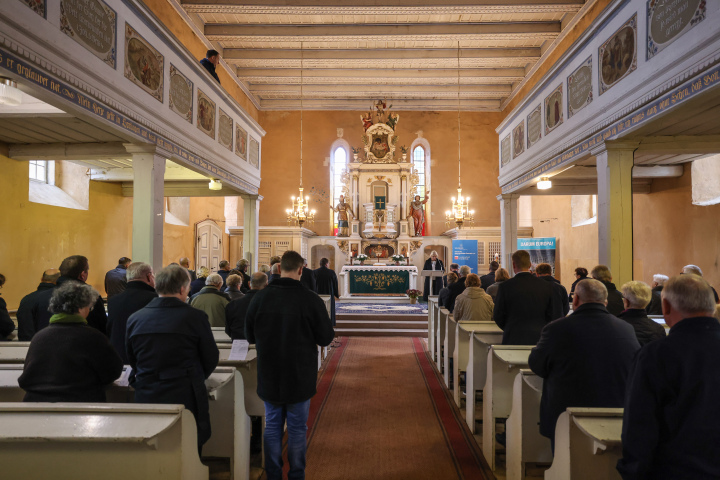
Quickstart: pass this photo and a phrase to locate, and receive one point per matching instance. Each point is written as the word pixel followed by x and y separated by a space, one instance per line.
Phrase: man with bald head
pixel 185 263
pixel 671 428
pixel 584 358
pixel 30 314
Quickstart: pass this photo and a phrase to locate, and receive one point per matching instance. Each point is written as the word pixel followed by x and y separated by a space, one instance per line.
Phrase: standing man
pixel 171 350
pixel 327 284
pixel 139 292
pixel 614 299
pixel 236 310
pixel 523 304
pixel 342 210
pixel 30 313
pixel 224 271
pixel 115 281
pixel 433 263
pixel 76 269
pixel 185 263
pixel 489 278
pixel 573 356
pixel 241 267
pixel 561 304
pixel 671 428
pixel 210 62
pixel 308 278
pixel 281 315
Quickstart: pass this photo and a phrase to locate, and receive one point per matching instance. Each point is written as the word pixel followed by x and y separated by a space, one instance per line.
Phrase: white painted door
pixel 209 245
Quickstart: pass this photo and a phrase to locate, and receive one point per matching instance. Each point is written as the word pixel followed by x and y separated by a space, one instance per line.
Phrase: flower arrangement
pixel 362 257
pixel 413 293
pixel 397 258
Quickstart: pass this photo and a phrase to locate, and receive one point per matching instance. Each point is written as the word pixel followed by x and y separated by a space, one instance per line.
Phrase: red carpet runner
pixel 381 412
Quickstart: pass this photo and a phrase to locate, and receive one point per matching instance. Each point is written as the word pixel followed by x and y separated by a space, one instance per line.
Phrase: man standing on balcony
pixel 212 58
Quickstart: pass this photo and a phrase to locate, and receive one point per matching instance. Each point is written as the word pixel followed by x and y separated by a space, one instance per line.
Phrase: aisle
pixel 381 413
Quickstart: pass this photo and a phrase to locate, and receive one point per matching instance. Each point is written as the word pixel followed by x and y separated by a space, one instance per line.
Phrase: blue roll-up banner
pixel 542 250
pixel 465 252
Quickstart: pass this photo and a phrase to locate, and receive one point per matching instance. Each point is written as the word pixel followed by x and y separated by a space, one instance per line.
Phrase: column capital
pixel 507 196
pixel 146 148
pixel 614 145
pixel 251 197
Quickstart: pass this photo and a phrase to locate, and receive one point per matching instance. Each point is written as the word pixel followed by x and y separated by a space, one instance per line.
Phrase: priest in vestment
pixel 433 263
pixel 327 284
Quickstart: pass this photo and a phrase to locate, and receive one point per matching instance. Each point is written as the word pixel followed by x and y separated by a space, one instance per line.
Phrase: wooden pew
pixel 476 370
pixel 440 336
pixel 660 320
pixel 220 335
pixel 461 352
pixel 13 352
pixel 587 444
pixel 504 362
pixel 524 443
pixel 230 423
pixel 67 441
pixel 248 369
pixel 433 311
pixel 448 349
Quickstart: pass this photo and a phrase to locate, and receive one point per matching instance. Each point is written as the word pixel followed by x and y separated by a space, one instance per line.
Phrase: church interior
pixel 592 122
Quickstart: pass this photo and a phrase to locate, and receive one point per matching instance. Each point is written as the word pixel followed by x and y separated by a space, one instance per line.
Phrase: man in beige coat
pixel 473 303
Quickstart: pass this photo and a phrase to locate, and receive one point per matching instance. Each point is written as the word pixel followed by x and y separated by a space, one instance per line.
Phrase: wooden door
pixel 209 245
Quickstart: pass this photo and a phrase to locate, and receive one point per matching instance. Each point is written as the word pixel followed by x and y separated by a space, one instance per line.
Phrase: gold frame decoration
pixel 554 107
pixel 92 24
pixel 225 128
pixel 241 142
pixel 180 88
pixel 615 59
pixel 518 135
pixel 206 114
pixel 379 142
pixel 144 66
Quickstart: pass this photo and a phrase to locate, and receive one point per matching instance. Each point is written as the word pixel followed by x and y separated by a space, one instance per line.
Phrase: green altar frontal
pixel 374 282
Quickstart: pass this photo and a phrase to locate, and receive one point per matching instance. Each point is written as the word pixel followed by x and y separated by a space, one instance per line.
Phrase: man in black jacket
pixel 241 267
pixel 139 292
pixel 308 278
pixel 655 305
pixel 614 298
pixel 671 428
pixel 327 284
pixel 115 279
pixel 584 357
pixel 457 288
pixel 30 312
pixel 561 304
pixel 523 304
pixel 281 315
pixel 636 296
pixel 210 62
pixel 236 310
pixel 489 278
pixel 171 349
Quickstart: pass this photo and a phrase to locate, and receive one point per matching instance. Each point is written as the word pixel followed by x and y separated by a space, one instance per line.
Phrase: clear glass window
pixel 339 164
pixel 39 170
pixel 419 164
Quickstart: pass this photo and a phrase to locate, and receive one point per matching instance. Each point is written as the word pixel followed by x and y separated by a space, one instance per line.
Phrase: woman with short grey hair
pixel 68 361
pixel 636 296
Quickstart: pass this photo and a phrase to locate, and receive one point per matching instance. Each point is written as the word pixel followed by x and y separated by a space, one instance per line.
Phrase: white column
pixel 148 164
pixel 615 208
pixel 251 227
pixel 403 195
pixel 508 229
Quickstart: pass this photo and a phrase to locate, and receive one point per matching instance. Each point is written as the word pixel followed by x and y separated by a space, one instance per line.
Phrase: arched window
pixel 338 163
pixel 418 157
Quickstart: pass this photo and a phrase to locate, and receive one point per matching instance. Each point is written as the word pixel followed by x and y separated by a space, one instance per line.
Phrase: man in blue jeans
pixel 287 322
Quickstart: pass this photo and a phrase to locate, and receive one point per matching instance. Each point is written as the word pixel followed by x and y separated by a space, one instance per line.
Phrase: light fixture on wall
pixel 300 213
pixel 9 93
pixel 215 184
pixel 544 183
pixel 460 215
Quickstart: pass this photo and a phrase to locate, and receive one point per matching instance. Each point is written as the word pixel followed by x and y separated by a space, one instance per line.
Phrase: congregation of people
pixel 160 325
pixel 597 347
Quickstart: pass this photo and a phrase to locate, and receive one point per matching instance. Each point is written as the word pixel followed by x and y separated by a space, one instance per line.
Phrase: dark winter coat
pixel 671 426
pixel 655 305
pixel 235 312
pixel 210 68
pixel 524 304
pixel 171 349
pixel 615 300
pixel 437 281
pixel 327 284
pixel 646 330
pixel 308 279
pixel 33 311
pixel 115 281
pixel 561 305
pixel 136 296
pixel 287 322
pixel 455 289
pixel 487 280
pixel 69 362
pixel 585 359
pixel 97 317
pixel 7 326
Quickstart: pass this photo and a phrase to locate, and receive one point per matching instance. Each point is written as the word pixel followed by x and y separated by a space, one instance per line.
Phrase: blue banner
pixel 465 252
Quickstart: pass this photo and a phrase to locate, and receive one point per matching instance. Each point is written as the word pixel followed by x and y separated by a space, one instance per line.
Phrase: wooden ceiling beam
pixel 230 54
pixel 384 72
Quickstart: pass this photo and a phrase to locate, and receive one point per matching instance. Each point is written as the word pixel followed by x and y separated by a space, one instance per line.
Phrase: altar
pixel 377 281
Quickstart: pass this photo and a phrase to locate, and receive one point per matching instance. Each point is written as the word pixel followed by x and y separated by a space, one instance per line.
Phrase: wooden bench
pixel 440 336
pixel 230 423
pixel 220 335
pixel 587 444
pixel 448 349
pixel 13 352
pixel 476 370
pixel 504 363
pixel 461 352
pixel 248 369
pixel 433 311
pixel 66 441
pixel 524 444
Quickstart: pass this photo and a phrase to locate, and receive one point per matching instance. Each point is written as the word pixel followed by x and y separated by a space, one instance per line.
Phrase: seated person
pixel 473 303
pixel 233 287
pixel 636 296
pixel 444 294
pixel 198 284
pixel 500 276
pixel 69 361
pixel 171 349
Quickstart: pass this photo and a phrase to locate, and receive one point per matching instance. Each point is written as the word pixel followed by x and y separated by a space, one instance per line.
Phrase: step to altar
pixel 381 325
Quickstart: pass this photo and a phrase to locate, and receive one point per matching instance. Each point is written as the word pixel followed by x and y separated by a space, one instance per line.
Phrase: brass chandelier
pixel 460 215
pixel 300 213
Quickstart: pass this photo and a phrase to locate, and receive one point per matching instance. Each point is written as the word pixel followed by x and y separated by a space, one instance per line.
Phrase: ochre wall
pixel 668 232
pixel 182 31
pixel 281 160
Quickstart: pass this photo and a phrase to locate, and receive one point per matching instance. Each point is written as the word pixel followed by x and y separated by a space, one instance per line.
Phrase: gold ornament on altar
pixel 379 140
